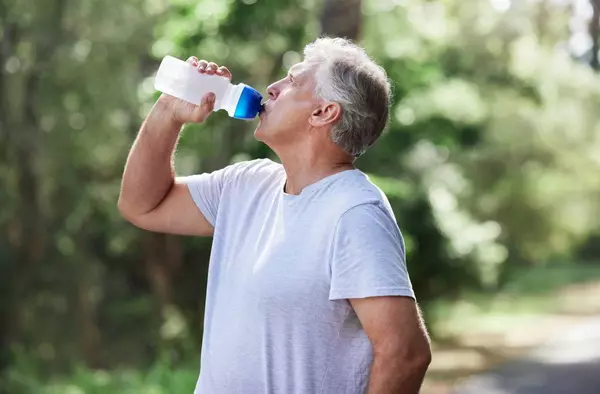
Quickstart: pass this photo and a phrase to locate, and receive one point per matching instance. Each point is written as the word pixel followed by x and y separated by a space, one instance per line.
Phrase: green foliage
pixel 529 293
pixel 161 378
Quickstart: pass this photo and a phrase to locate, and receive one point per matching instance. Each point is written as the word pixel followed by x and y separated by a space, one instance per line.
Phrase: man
pixel 307 290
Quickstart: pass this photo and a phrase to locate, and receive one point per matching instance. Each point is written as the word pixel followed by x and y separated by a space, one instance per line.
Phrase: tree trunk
pixel 7 291
pixel 90 343
pixel 162 261
pixel 594 29
pixel 341 18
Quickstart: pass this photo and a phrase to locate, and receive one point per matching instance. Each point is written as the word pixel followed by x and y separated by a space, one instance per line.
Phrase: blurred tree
pixel 20 130
pixel 68 92
pixel 341 18
pixel 594 30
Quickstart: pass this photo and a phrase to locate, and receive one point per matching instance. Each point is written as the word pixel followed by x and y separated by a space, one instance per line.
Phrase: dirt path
pixel 550 353
pixel 569 364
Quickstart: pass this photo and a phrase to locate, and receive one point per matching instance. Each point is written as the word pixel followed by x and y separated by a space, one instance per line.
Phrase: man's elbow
pixel 414 358
pixel 423 358
pixel 417 359
pixel 126 211
pixel 123 209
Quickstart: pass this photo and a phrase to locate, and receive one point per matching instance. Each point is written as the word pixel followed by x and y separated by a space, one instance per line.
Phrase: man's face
pixel 287 112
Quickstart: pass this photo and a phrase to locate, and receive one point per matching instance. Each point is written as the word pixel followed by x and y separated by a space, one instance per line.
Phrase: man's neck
pixel 302 171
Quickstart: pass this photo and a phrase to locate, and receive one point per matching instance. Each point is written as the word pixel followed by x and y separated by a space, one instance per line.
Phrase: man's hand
pixel 401 353
pixel 183 112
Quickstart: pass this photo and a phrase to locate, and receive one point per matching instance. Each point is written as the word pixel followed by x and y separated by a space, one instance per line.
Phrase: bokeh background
pixel 491 162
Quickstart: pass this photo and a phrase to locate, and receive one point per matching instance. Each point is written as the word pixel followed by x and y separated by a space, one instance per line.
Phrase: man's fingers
pixel 210 68
pixel 193 60
pixel 224 71
pixel 202 65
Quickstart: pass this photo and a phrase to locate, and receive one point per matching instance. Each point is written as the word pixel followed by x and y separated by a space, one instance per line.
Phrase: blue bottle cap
pixel 249 104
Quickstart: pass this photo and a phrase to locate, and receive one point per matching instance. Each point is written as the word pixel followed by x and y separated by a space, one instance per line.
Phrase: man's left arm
pixel 368 269
pixel 401 351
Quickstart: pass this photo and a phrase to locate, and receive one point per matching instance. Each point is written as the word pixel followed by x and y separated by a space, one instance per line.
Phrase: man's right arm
pixel 150 197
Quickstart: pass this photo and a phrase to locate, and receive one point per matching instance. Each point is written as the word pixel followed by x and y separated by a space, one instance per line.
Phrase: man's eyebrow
pixel 291 71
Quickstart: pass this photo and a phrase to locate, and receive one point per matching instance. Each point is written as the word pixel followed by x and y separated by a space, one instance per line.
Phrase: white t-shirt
pixel 282 268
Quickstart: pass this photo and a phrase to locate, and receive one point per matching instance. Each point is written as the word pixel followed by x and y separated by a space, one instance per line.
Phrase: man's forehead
pixel 300 68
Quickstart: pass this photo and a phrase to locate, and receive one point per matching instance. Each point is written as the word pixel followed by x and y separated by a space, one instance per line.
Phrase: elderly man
pixel 308 290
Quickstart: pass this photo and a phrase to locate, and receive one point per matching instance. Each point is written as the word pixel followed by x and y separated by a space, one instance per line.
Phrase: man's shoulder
pixel 363 205
pixel 358 189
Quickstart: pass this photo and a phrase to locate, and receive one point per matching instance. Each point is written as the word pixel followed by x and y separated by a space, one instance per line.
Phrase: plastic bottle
pixel 183 81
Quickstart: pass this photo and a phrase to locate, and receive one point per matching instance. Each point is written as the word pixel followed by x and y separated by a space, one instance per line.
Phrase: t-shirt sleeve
pixel 368 257
pixel 206 189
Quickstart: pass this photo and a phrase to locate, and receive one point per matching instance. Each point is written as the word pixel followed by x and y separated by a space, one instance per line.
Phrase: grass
pixel 160 379
pixel 531 292
pixel 547 279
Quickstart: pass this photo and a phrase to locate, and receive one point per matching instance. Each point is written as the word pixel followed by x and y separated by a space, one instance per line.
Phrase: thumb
pixel 206 107
pixel 208 102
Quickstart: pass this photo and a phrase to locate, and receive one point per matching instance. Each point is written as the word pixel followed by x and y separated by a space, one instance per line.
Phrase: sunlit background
pixel 491 162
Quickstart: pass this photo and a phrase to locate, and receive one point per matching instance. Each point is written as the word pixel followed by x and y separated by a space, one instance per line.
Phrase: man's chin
pixel 259 133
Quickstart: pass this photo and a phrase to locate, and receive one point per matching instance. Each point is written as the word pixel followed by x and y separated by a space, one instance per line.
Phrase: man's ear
pixel 325 114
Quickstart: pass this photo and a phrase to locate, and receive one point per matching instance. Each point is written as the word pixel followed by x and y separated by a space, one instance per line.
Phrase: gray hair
pixel 345 74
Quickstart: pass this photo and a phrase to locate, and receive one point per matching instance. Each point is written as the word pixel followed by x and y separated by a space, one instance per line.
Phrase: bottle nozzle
pixel 249 103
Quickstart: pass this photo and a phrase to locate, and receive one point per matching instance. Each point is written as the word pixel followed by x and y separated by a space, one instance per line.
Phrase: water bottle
pixel 183 81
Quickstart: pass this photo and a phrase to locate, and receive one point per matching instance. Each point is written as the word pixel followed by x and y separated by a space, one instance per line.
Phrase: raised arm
pixel 150 197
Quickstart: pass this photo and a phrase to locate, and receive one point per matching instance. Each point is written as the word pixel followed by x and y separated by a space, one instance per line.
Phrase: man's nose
pixel 272 91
